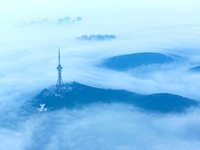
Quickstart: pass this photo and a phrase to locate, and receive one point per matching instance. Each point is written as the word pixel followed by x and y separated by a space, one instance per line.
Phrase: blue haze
pixel 29 59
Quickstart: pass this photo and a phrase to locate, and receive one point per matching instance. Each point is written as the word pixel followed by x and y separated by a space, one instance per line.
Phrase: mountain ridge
pixel 77 95
pixel 127 61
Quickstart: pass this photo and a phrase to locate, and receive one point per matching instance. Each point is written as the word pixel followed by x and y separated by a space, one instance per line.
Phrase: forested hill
pixel 76 95
pixel 127 61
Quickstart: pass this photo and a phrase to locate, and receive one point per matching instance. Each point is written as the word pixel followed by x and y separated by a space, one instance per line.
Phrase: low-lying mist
pixel 101 126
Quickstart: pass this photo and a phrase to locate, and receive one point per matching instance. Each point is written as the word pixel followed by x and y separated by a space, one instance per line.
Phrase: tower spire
pixel 59 83
pixel 58 56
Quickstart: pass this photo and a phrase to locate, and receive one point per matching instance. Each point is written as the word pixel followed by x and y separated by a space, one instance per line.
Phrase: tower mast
pixel 59 83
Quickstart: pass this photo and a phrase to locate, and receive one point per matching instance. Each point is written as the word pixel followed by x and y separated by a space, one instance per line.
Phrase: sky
pixel 30 38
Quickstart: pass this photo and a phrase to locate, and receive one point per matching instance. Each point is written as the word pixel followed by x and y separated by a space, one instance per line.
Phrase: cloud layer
pixel 103 126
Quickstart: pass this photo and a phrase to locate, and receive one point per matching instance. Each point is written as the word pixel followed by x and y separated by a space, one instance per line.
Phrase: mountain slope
pixel 195 69
pixel 124 62
pixel 78 95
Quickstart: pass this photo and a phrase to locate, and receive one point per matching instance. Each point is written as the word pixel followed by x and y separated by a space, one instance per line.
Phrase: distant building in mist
pixel 96 37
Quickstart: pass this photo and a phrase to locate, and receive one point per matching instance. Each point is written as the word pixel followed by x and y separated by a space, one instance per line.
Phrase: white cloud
pixel 103 126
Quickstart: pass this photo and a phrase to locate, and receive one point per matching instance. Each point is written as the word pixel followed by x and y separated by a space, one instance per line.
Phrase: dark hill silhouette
pixel 195 69
pixel 124 62
pixel 77 95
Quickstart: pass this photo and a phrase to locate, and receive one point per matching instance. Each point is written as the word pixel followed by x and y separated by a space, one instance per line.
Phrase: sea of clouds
pixel 114 126
pixel 28 61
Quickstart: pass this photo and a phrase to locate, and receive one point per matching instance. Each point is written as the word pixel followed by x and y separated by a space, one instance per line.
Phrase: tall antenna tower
pixel 59 83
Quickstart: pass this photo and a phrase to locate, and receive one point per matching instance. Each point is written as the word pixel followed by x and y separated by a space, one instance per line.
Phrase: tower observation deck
pixel 59 84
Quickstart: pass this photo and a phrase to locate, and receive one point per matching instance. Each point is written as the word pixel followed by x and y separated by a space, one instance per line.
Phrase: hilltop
pixel 77 95
pixel 127 61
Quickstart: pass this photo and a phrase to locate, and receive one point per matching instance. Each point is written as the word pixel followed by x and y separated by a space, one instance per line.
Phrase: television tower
pixel 59 83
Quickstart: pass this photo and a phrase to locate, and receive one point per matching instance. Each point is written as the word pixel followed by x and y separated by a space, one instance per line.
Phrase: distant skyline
pixel 140 9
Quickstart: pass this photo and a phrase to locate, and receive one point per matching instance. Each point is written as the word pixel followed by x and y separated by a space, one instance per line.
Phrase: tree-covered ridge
pixel 78 95
pixel 124 62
